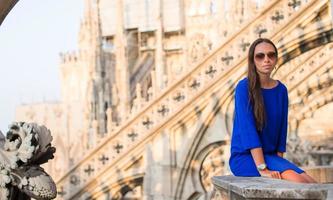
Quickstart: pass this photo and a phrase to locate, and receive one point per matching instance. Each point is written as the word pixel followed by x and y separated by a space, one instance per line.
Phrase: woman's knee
pixel 291 175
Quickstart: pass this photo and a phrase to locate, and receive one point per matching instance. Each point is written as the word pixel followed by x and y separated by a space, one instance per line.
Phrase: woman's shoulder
pixel 282 86
pixel 242 84
pixel 242 88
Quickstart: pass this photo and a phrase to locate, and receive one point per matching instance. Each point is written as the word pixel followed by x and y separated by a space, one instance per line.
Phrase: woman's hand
pixel 270 174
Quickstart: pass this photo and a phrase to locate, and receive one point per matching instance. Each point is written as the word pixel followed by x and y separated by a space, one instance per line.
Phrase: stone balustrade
pixel 243 188
pixel 316 71
pixel 228 59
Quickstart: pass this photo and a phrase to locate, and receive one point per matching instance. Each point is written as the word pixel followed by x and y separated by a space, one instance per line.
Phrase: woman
pixel 261 118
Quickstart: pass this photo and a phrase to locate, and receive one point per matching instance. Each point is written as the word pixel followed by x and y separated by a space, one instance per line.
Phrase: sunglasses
pixel 261 56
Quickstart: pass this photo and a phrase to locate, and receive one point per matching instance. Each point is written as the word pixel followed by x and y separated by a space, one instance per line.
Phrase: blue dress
pixel 273 137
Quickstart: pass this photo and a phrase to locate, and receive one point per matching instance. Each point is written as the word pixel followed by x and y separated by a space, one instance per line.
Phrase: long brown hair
pixel 256 98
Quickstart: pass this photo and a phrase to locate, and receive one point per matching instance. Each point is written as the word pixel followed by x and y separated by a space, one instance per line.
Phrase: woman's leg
pixel 308 178
pixel 291 175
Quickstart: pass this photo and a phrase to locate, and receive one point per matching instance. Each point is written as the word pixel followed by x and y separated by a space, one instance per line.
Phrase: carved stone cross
pixel 163 110
pixel 118 147
pixel 260 30
pixel 244 45
pixel 211 71
pixel 179 97
pixel 277 17
pixel 103 159
pixel 89 170
pixel 132 135
pixel 147 123
pixel 194 84
pixel 227 58
pixel 294 3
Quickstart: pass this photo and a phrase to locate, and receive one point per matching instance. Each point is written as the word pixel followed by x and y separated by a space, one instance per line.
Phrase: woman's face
pixel 264 58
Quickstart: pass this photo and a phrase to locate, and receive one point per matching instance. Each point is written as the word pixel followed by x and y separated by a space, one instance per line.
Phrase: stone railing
pixel 226 60
pixel 310 76
pixel 314 66
pixel 241 188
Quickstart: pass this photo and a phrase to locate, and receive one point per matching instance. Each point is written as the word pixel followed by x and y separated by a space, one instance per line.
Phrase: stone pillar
pixel 152 93
pixel 138 91
pixel 147 181
pixel 109 122
pixel 159 51
pixel 138 100
pixel 94 133
pixel 122 73
pixel 158 168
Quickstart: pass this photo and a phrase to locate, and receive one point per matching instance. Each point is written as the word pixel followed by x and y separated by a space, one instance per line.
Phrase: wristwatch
pixel 261 167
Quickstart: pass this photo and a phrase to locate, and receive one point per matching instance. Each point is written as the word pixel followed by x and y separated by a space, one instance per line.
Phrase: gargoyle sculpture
pixel 25 147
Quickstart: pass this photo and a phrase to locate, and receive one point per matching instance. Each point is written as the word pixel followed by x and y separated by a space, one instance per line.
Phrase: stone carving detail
pixel 298 151
pixel 199 48
pixel 132 135
pixel 212 165
pixel 89 170
pixel 244 45
pixel 74 180
pixel 104 159
pixel 163 110
pixel 294 4
pixel 26 146
pixel 305 153
pixel 147 122
pixel 194 83
pixel 211 71
pixel 260 29
pixel 227 58
pixel 118 147
pixel 178 97
pixel 277 16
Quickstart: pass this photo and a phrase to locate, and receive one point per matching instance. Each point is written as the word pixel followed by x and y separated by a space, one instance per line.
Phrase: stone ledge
pixel 240 188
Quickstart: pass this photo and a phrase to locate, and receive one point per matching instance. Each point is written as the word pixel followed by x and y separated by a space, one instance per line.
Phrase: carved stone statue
pixel 25 147
pixel 298 151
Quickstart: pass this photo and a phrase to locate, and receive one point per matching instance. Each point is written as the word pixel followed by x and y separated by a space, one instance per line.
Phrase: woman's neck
pixel 266 81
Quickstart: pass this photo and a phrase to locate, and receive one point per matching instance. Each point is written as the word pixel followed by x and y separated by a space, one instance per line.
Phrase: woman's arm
pixel 258 157
pixel 282 143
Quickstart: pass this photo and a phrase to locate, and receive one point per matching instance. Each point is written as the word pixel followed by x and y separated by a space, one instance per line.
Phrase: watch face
pixel 261 167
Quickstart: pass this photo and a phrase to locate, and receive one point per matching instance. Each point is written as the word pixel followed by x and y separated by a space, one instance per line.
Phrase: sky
pixel 31 38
